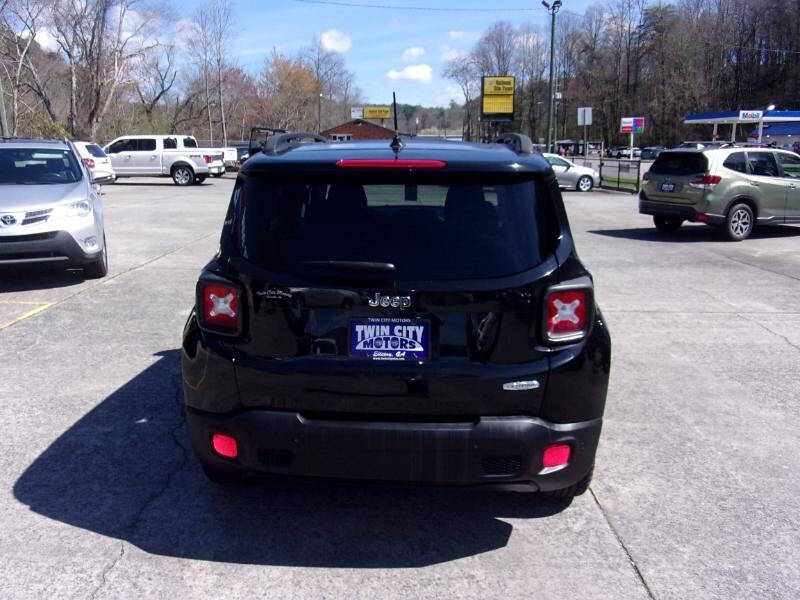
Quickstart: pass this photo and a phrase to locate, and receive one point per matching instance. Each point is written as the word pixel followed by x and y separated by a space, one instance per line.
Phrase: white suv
pixel 50 208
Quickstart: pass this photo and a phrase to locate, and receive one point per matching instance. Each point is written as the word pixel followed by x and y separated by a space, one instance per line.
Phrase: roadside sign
pixel 377 112
pixel 750 115
pixel 357 112
pixel 497 98
pixel 584 116
pixel 632 125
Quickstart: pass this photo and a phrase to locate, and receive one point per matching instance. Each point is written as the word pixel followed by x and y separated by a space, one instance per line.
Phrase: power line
pixel 419 8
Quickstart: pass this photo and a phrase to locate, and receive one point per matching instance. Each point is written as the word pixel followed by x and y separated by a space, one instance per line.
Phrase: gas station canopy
pixel 736 117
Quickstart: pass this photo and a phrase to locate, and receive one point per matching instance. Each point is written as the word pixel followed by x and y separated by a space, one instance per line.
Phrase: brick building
pixel 358 129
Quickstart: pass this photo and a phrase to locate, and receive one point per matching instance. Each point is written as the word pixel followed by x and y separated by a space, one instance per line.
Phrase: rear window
pixel 679 163
pixel 429 231
pixel 95 150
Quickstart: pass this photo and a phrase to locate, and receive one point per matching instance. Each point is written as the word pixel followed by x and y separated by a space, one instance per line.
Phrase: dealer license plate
pixel 387 338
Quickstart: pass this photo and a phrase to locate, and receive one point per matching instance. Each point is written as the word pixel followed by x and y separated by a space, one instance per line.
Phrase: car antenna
pixel 397 144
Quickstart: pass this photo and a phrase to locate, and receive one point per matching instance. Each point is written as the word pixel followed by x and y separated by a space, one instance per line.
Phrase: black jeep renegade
pixel 412 312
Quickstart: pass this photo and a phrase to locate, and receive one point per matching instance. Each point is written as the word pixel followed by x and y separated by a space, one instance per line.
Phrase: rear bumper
pixel 53 248
pixel 682 211
pixel 489 450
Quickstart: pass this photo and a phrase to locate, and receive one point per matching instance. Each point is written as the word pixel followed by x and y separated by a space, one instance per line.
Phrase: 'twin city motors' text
pixel 399 337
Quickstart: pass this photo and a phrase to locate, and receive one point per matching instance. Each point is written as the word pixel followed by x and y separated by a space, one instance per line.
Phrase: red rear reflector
pixel 566 314
pixel 706 182
pixel 207 158
pixel 646 176
pixel 89 162
pixel 221 305
pixel 556 455
pixel 225 445
pixel 390 163
pixel 703 218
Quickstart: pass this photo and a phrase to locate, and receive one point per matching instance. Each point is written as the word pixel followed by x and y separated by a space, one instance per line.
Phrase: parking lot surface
pixel 696 487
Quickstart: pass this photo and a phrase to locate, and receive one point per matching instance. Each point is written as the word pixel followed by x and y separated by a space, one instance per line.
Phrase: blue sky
pixel 400 50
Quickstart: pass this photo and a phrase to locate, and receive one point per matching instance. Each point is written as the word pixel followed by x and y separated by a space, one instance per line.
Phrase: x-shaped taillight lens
pixel 221 306
pixel 567 314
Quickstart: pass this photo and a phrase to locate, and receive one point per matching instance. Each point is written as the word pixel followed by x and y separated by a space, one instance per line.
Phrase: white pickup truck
pixel 176 156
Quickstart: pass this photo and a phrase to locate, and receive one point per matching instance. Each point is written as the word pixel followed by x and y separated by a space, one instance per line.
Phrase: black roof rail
pixel 259 135
pixel 518 142
pixel 283 141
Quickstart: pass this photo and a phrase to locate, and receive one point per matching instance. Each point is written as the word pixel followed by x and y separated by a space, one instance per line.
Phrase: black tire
pixel 575 489
pixel 740 222
pixel 200 179
pixel 182 175
pixel 585 184
pixel 221 476
pixel 667 224
pixel 99 268
pixel 217 175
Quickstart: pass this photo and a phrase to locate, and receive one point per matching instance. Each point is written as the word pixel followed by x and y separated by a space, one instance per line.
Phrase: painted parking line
pixel 34 308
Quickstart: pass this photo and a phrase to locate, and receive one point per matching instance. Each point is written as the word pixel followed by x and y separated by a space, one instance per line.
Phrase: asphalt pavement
pixel 696 486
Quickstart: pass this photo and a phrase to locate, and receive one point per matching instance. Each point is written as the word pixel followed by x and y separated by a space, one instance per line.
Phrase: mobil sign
pixel 632 125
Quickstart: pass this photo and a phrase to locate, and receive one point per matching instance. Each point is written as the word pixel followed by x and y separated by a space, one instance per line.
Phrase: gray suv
pixel 733 187
pixel 50 208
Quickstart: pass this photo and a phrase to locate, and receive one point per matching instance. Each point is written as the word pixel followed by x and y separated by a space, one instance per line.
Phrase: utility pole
pixel 3 122
pixel 553 10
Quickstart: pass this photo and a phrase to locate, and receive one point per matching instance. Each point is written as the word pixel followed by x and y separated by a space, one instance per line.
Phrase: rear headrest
pixel 465 206
pixel 345 203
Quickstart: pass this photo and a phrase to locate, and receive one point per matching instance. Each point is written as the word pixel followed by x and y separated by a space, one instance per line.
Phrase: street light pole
pixel 553 10
pixel 319 114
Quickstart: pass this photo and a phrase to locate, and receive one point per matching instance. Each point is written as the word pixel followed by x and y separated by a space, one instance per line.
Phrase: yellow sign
pixel 498 86
pixel 377 112
pixel 497 100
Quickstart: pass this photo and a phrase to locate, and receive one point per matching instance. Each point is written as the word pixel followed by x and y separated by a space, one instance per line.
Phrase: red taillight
pixel 646 176
pixel 207 158
pixel 89 162
pixel 556 455
pixel 221 306
pixel 567 314
pixel 225 445
pixel 390 163
pixel 706 182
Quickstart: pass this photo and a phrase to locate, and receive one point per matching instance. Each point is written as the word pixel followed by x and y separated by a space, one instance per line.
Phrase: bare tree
pixel 156 74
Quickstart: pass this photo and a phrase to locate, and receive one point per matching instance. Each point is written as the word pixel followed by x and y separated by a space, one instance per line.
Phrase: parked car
pixel 96 161
pixel 573 176
pixel 454 339
pixel 735 188
pixel 651 152
pixel 625 152
pixel 175 156
pixel 229 158
pixel 50 210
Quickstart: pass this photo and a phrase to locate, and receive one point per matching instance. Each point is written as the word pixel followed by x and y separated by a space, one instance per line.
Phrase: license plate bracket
pixel 390 339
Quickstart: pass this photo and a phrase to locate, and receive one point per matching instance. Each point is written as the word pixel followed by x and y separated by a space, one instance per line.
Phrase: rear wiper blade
pixel 351 265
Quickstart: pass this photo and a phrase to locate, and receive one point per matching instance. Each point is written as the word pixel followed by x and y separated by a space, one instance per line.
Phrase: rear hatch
pixel 670 176
pixel 392 297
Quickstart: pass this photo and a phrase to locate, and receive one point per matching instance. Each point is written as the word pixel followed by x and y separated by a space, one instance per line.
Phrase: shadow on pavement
pixel 124 470
pixel 39 278
pixel 695 233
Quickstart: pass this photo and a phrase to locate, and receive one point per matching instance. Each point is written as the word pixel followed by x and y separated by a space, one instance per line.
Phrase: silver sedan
pixel 570 175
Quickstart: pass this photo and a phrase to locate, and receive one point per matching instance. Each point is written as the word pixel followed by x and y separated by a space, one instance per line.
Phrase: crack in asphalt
pixel 623 545
pixel 184 458
pixel 107 570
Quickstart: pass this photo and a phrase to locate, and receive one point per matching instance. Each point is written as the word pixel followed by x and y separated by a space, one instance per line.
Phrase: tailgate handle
pixel 754 184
